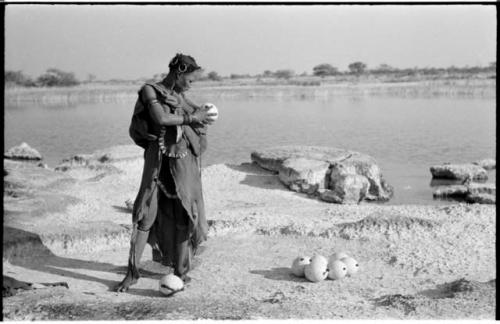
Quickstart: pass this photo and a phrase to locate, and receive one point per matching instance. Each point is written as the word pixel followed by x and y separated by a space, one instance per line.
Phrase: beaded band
pixel 187 119
pixel 163 149
pixel 161 140
pixel 153 101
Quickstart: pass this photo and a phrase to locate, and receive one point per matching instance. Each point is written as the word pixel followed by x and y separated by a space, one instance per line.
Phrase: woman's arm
pixel 156 111
pixel 165 118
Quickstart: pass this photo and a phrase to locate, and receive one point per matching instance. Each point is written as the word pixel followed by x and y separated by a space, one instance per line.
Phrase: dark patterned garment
pixel 170 200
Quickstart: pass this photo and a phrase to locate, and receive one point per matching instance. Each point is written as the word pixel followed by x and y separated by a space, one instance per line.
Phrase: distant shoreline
pixel 302 88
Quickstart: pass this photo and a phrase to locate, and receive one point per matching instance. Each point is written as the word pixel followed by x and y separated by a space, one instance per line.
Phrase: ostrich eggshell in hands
pixel 212 110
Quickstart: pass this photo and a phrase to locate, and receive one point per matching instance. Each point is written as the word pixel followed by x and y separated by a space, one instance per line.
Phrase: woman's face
pixel 184 81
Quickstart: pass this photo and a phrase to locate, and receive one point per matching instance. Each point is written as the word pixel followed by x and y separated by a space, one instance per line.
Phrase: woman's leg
pixel 138 242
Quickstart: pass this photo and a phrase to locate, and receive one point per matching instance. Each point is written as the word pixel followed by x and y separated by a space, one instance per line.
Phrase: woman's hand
pixel 202 116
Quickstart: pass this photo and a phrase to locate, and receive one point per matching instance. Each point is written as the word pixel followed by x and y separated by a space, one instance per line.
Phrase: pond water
pixel 405 135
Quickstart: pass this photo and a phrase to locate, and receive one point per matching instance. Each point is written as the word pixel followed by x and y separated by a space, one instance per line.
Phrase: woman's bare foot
pixel 126 283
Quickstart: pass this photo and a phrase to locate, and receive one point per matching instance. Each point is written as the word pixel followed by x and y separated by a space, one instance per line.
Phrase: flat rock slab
pixel 272 158
pixel 481 198
pixel 304 175
pixel 331 174
pixel 481 193
pixel 457 191
pixel 487 164
pixel 23 152
pixel 459 172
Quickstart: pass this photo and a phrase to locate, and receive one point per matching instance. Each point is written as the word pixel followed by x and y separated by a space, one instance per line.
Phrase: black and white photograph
pixel 225 161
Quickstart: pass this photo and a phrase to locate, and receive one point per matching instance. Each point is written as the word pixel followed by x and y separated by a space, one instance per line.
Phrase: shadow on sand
pixel 121 209
pixel 279 274
pixel 258 177
pixel 40 258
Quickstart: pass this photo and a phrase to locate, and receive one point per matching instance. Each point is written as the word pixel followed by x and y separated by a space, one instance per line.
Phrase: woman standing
pixel 169 211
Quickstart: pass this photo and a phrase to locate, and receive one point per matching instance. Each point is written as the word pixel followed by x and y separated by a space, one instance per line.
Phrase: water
pixel 406 136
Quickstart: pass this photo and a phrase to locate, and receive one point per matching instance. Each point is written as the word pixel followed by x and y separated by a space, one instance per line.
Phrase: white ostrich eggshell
pixel 299 264
pixel 212 109
pixel 170 284
pixel 352 265
pixel 336 269
pixel 320 259
pixel 338 256
pixel 317 269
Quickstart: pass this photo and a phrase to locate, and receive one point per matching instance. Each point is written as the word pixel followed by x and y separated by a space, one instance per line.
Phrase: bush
pixel 57 78
pixel 284 74
pixel 268 74
pixel 18 78
pixel 324 69
pixel 357 68
pixel 214 76
pixel 239 76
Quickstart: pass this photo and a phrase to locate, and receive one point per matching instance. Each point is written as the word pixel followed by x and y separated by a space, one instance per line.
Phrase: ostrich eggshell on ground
pixel 352 265
pixel 170 284
pixel 317 269
pixel 319 259
pixel 336 269
pixel 299 264
pixel 338 256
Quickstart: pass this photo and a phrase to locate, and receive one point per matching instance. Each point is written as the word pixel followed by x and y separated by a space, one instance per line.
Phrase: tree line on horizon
pixel 360 68
pixel 54 77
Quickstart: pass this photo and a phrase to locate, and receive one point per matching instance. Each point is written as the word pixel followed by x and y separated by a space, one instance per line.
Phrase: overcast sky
pixel 123 41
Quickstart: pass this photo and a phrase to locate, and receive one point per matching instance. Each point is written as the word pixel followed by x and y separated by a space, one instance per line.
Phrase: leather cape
pixel 186 171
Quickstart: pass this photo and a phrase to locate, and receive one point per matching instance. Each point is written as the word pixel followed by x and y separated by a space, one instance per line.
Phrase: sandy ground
pixel 416 262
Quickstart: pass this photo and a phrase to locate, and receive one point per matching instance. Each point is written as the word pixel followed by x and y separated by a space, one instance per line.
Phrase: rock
pixel 448 182
pixel 332 174
pixel 42 165
pixel 481 199
pixel 272 158
pixel 482 188
pixel 453 191
pixel 77 160
pixel 487 164
pixel 481 193
pixel 330 196
pixel 349 189
pixel 459 172
pixel 23 152
pixel 304 175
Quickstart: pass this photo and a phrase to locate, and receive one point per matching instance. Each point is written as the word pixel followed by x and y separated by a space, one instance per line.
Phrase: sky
pixel 130 42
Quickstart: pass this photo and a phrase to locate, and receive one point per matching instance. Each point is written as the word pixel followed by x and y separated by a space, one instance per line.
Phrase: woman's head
pixel 184 68
pixel 183 64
